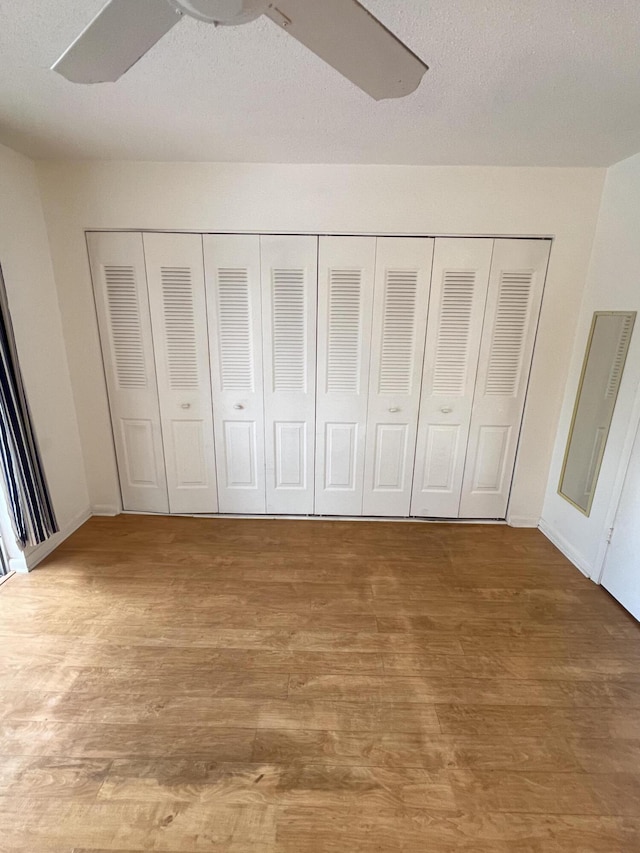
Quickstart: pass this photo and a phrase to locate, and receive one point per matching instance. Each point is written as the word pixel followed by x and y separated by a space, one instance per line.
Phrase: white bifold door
pixel 175 278
pixel 232 268
pixel 456 312
pixel 518 270
pixel 483 315
pixel 153 326
pixel 289 267
pixel 122 305
pixel 261 301
pixel 346 272
pixel 401 295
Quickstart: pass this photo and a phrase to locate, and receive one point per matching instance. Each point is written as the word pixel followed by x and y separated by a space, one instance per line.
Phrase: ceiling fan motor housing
pixel 226 12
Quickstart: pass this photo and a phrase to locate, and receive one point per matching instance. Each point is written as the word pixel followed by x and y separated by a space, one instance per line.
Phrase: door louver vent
pixel 179 323
pixel 126 331
pixel 289 330
pixel 343 356
pixel 398 331
pixel 616 370
pixel 234 330
pixel 452 347
pixel 512 314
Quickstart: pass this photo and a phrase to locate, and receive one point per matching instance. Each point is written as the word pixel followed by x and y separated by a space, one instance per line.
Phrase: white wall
pixel 613 284
pixel 345 199
pixel 33 302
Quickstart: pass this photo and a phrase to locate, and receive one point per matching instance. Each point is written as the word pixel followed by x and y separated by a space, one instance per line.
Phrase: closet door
pixel 119 281
pixel 175 278
pixel 518 271
pixel 289 290
pixel 459 285
pixel 345 302
pixel 232 269
pixel 403 271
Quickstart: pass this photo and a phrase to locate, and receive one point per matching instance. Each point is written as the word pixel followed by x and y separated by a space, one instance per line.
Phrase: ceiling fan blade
pixel 348 37
pixel 122 32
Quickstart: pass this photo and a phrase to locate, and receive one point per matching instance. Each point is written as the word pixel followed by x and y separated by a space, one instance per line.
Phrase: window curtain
pixel 27 494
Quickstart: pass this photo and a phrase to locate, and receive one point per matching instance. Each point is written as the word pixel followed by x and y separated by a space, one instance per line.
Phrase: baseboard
pixel 568 550
pixel 37 554
pixel 523 521
pixel 105 509
pixel 18 565
pixel 376 518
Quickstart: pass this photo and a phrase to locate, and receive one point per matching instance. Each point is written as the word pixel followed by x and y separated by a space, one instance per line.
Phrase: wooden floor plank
pixel 54 778
pixel 439 690
pixel 308 830
pixel 349 715
pixel 108 740
pixel 430 751
pixel 505 666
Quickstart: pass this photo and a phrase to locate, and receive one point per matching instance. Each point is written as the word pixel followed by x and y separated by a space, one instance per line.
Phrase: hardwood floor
pixel 192 685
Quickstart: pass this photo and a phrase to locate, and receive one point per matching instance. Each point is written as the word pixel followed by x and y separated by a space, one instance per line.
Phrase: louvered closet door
pixel 232 269
pixel 289 290
pixel 175 279
pixel 518 271
pixel 118 272
pixel 403 270
pixel 345 303
pixel 459 285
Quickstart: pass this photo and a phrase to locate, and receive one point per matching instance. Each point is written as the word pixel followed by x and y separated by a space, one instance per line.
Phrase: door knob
pixel 394 409
pixel 185 406
pixel 238 406
pixel 446 410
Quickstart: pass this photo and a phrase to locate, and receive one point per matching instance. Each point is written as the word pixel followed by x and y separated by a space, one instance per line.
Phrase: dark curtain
pixel 27 495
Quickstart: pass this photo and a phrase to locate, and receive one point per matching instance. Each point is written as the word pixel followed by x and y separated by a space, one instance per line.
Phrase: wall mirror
pixel 599 383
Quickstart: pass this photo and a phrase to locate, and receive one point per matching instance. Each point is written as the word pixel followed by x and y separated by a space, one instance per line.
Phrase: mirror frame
pixel 632 314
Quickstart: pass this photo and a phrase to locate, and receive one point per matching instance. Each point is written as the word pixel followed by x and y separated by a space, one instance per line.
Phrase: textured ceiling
pixel 512 82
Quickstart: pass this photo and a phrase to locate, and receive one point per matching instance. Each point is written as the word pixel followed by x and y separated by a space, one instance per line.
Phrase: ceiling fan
pixel 341 32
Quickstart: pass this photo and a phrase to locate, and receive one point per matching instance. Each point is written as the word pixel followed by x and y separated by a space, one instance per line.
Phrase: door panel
pixel 190 463
pixel 291 455
pixel 140 467
pixel 489 468
pixel 402 276
pixel 345 305
pixel 516 283
pixel 441 451
pixel 289 268
pixel 390 450
pixel 456 308
pixel 175 278
pixel 339 451
pixel 122 304
pixel 239 449
pixel 232 270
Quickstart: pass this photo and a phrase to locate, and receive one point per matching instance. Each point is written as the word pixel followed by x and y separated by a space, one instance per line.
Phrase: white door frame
pixel 548 237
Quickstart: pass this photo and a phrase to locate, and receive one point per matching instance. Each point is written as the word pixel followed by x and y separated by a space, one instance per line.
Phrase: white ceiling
pixel 512 82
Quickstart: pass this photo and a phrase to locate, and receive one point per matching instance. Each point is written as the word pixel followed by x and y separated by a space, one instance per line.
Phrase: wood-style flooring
pixel 273 686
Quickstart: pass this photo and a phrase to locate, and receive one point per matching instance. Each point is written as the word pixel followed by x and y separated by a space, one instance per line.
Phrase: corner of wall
pixel 565 547
pixel 523 520
pixel 35 555
pixel 35 310
pixel 105 509
pixel 611 285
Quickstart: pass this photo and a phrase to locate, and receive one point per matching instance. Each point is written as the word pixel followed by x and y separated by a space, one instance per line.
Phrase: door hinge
pixel 609 535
